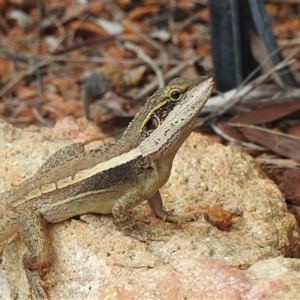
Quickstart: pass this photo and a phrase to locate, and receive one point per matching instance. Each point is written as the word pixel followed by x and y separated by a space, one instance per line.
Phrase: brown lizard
pixel 109 179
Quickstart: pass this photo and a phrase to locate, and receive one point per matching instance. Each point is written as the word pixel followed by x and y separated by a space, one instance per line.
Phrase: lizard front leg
pixel 33 233
pixel 156 204
pixel 127 224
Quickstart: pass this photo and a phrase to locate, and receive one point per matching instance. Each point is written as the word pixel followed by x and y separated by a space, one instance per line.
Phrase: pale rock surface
pixel 93 260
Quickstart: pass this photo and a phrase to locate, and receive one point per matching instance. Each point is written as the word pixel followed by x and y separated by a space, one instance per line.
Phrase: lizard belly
pixel 94 202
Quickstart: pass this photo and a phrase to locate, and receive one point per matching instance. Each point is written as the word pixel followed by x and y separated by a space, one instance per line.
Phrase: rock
pixel 208 279
pixel 206 174
pixel 93 260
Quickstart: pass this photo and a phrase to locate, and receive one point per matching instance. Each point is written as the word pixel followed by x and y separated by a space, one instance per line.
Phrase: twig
pixel 148 60
pixel 40 118
pixel 19 56
pixel 119 15
pixel 247 88
pixel 230 139
pixel 278 162
pixel 44 61
pixel 19 77
pixel 80 20
pixel 289 43
pixel 264 92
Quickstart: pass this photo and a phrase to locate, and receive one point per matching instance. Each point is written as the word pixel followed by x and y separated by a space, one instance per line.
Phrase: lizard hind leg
pixel 32 231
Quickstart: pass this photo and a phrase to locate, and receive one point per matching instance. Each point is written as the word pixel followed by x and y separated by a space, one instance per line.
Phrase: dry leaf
pixel 280 143
pixel 204 15
pixel 114 51
pixel 295 210
pixel 288 183
pixel 267 113
pixel 134 76
pixel 25 4
pixel 88 27
pixel 4 66
pixel 294 130
pixel 232 132
pixel 111 27
pixel 77 11
pixel 134 26
pixel 61 109
pixel 22 18
pixel 26 114
pixel 24 93
pixel 2 5
pixel 140 12
pixel 63 84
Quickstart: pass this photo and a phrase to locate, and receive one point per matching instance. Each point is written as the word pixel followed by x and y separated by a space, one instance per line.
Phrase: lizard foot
pixel 145 236
pixel 166 216
pixel 36 284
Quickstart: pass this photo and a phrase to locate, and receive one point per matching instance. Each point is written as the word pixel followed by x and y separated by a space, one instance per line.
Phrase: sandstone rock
pixel 208 279
pixel 93 260
pixel 206 174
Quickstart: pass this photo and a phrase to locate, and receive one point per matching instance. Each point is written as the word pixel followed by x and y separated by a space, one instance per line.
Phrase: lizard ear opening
pixel 153 123
pixel 150 126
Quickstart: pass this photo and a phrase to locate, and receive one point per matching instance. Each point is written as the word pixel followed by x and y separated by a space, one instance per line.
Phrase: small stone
pixel 219 217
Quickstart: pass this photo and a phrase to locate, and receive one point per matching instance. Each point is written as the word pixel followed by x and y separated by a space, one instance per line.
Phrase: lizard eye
pixel 175 95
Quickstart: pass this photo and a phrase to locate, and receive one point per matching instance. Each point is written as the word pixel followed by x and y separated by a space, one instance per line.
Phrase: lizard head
pixel 172 109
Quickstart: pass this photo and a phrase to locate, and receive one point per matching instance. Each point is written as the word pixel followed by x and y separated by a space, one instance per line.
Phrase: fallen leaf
pixel 267 113
pixel 60 109
pixel 295 210
pixel 75 11
pixel 89 27
pixel 72 108
pixel 280 143
pixel 111 27
pixel 294 130
pixel 232 132
pixel 22 18
pixel 288 183
pixel 26 115
pixel 265 159
pixel 2 5
pixel 204 15
pixel 24 93
pixel 5 66
pixel 141 11
pixel 24 4
pixel 63 84
pixel 134 26
pixel 114 51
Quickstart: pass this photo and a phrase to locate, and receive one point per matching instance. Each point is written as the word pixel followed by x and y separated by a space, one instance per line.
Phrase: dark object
pixel 94 84
pixel 231 23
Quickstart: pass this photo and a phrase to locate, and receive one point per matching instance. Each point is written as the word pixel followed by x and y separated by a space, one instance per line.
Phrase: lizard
pixel 109 179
